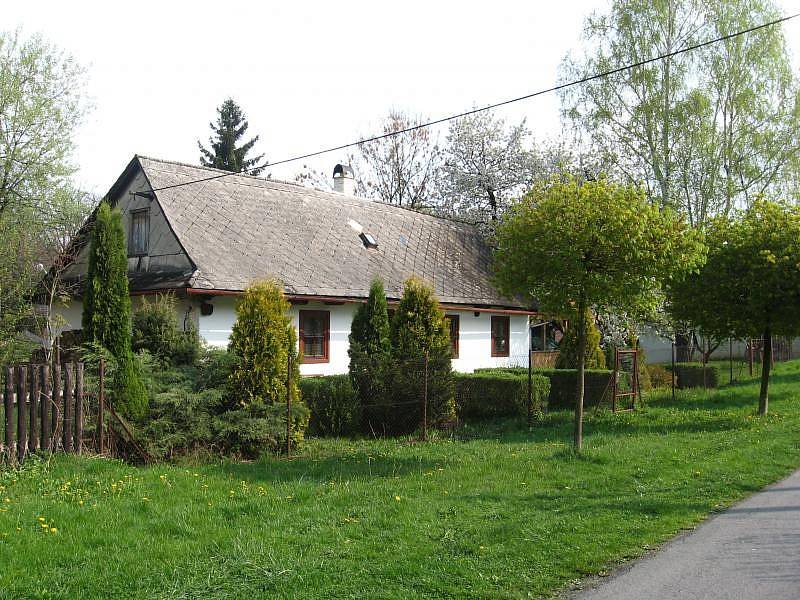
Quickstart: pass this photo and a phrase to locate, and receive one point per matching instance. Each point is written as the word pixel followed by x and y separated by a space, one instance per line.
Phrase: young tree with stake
pixel 573 246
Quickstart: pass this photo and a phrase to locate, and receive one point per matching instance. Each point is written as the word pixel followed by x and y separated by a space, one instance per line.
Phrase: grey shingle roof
pixel 240 228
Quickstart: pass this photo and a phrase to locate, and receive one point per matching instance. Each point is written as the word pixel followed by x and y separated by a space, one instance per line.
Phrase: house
pixel 205 242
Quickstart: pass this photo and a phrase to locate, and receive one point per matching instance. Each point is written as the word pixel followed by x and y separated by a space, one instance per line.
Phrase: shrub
pixel 691 375
pixel 155 329
pixel 419 327
pixel 488 395
pixel 249 431
pixel 263 339
pixel 370 356
pixel 214 369
pixel 333 403
pixel 563 383
pixel 568 347
pixel 660 377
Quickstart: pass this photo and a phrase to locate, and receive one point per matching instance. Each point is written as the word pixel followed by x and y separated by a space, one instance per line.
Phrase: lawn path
pixel 751 550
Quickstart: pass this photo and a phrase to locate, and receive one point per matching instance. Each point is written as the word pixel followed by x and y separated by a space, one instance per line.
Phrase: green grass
pixel 502 513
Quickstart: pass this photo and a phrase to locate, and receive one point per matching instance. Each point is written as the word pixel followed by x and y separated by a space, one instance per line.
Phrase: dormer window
pixel 139 234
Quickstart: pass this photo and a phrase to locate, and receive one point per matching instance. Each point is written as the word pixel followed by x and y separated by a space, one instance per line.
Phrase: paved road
pixel 752 550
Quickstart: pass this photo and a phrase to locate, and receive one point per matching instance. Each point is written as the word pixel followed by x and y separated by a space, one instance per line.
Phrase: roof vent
pixel 369 240
pixel 343 180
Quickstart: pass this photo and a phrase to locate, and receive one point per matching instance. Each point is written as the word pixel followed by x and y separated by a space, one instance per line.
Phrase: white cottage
pixel 205 242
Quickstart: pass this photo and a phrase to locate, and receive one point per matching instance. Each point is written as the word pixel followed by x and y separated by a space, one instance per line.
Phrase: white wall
pixel 474 344
pixel 474 340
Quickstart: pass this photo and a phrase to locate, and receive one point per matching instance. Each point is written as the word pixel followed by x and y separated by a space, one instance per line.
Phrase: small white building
pixel 205 235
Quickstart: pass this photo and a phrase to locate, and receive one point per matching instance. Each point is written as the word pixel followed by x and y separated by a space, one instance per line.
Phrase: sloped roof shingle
pixel 238 228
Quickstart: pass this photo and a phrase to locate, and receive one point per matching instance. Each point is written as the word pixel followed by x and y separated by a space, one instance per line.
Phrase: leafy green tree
pixel 264 341
pixel 703 130
pixel 41 104
pixel 370 356
pixel 107 309
pixel 749 286
pixel 568 347
pixel 419 330
pixel 225 154
pixel 570 246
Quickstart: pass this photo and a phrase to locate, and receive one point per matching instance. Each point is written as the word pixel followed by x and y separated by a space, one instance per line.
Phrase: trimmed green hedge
pixel 334 405
pixel 690 375
pixel 487 395
pixel 563 383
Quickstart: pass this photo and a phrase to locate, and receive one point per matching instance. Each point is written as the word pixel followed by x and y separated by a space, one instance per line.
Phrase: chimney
pixel 343 181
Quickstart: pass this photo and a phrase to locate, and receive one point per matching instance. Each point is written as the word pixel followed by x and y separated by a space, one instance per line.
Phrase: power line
pixel 549 90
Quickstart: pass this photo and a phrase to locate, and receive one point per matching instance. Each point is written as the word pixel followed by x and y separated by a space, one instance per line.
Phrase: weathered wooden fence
pixel 45 407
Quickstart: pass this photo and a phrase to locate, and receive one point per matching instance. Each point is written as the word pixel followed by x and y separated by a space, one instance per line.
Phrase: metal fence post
pixel 673 371
pixel 289 405
pixel 425 401
pixel 101 401
pixel 530 391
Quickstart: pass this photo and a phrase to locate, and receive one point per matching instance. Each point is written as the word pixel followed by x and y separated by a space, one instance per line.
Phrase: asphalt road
pixel 752 550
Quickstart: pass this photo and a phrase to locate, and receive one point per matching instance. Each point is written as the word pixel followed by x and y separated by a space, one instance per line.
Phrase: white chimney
pixel 343 180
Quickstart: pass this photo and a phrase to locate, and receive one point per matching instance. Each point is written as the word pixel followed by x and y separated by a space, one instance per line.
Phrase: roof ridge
pixel 447 218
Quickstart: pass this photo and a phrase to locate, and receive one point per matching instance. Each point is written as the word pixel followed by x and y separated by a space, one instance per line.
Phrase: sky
pixel 308 75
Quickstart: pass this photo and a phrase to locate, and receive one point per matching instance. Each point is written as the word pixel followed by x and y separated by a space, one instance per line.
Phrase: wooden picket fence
pixel 44 409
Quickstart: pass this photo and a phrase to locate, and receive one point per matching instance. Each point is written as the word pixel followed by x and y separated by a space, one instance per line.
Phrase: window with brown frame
pixel 315 335
pixel 139 234
pixel 501 327
pixel 453 323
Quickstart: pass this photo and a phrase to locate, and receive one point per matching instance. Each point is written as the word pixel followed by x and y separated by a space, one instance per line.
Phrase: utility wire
pixel 549 90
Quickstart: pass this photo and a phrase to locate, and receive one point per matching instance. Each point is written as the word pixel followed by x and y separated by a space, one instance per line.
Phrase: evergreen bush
pixel 697 375
pixel 107 310
pixel 489 395
pixel 370 358
pixel 155 329
pixel 568 347
pixel 419 328
pixel 334 405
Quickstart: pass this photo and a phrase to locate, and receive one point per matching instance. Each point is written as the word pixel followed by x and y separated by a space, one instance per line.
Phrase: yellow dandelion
pixel 40 519
pixel 145 499
pixel 53 530
pixel 397 498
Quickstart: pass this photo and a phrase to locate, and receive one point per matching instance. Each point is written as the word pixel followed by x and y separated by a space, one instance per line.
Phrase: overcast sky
pixel 307 75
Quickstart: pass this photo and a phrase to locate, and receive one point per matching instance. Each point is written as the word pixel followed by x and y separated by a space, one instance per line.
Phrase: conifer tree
pixel 568 348
pixel 419 329
pixel 369 358
pixel 263 339
pixel 224 153
pixel 107 310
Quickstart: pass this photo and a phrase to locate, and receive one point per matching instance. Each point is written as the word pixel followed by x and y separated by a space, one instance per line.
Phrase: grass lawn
pixel 501 513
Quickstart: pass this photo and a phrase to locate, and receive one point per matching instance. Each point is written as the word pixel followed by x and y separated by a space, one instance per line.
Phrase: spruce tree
pixel 107 310
pixel 224 154
pixel 568 348
pixel 419 330
pixel 369 353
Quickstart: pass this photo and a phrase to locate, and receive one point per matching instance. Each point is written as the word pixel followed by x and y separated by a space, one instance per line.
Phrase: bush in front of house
pixel 334 405
pixel 695 375
pixel 370 358
pixel 568 347
pixel 660 377
pixel 564 382
pixel 419 329
pixel 106 319
pixel 488 395
pixel 155 329
pixel 263 340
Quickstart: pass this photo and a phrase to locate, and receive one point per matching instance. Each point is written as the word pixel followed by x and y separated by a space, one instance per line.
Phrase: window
pixel 139 236
pixel 452 321
pixel 314 335
pixel 500 335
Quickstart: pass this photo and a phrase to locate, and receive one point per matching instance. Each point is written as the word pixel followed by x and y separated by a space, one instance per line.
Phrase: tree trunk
pixel 578 441
pixel 766 365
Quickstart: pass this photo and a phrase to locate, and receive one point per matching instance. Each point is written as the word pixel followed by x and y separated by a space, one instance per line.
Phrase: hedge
pixel 334 405
pixel 488 395
pixel 690 375
pixel 563 383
